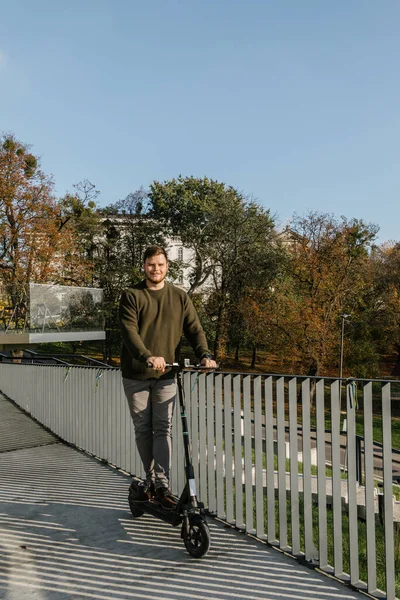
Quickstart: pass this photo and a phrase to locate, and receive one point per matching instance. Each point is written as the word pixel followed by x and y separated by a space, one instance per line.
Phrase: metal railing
pixel 48 307
pixel 68 359
pixel 270 452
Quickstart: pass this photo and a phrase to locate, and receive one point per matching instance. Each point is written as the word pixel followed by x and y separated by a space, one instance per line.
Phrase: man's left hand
pixel 209 363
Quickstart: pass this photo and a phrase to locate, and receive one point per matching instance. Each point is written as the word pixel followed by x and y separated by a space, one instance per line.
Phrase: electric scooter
pixel 188 512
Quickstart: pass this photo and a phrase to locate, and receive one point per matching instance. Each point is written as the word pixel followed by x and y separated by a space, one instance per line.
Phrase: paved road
pixel 66 532
pixel 377 449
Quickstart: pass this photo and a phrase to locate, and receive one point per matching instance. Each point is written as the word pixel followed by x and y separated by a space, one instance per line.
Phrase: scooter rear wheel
pixel 197 539
pixel 136 510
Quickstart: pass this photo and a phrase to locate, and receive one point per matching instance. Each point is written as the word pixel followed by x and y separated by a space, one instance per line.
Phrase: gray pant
pixel 151 404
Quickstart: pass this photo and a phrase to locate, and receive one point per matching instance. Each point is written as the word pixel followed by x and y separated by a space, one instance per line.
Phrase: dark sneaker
pixel 165 498
pixel 150 490
pixel 144 492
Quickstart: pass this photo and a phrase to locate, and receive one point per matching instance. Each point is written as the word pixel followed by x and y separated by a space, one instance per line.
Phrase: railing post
pixel 358 460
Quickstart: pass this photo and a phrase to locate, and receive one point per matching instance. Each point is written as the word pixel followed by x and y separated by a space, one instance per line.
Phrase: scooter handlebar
pixel 178 366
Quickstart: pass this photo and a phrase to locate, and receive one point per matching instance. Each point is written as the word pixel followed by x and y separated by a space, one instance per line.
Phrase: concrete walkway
pixel 66 532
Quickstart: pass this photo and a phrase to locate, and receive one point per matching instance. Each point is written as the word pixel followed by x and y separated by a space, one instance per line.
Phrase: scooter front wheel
pixel 197 539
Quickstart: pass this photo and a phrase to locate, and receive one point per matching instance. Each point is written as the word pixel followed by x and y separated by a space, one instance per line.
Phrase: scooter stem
pixel 188 462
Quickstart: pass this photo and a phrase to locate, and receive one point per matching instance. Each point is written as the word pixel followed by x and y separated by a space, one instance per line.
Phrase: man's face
pixel 156 268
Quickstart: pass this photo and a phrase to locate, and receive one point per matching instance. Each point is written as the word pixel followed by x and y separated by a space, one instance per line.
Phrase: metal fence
pixel 305 464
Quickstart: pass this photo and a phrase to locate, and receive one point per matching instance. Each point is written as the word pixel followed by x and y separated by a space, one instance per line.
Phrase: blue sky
pixel 294 102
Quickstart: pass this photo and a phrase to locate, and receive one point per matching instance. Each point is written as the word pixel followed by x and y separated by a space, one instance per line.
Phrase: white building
pixel 177 252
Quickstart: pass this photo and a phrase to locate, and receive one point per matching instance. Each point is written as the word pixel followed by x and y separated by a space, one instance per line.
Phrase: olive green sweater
pixel 152 323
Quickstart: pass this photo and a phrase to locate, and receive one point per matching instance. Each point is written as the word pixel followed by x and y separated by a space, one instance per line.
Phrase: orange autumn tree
pixel 384 302
pixel 33 245
pixel 27 228
pixel 78 233
pixel 327 274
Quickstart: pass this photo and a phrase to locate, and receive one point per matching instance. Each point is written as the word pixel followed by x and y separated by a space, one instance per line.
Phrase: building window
pixel 180 253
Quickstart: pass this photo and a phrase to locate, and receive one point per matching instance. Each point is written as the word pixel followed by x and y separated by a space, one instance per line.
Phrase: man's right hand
pixel 157 362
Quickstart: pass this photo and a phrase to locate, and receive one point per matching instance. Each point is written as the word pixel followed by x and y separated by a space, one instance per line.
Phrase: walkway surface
pixel 66 532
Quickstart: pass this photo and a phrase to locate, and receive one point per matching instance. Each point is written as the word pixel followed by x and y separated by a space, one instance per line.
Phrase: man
pixel 153 316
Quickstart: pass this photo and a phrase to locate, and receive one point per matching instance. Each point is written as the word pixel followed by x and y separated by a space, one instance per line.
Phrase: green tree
pixel 232 238
pixel 245 254
pixel 126 230
pixel 185 207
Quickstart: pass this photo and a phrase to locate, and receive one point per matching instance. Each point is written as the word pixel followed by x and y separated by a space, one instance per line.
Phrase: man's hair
pixel 153 251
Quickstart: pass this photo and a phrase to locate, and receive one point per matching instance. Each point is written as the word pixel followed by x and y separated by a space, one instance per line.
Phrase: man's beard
pixel 153 279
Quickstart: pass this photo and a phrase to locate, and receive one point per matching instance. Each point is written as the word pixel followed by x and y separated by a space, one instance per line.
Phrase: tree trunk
pixel 237 352
pixel 253 358
pixel 396 368
pixel 219 332
pixel 312 371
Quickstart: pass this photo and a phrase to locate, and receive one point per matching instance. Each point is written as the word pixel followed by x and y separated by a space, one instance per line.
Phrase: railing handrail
pixel 345 380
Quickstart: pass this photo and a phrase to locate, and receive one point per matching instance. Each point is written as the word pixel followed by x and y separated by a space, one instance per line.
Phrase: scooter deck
pixel 157 510
pixel 152 506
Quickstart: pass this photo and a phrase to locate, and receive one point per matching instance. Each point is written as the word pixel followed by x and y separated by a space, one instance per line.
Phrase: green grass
pixel 396 492
pixel 378 430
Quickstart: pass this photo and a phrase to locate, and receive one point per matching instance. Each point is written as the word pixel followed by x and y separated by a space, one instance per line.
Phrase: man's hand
pixel 209 363
pixel 157 362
